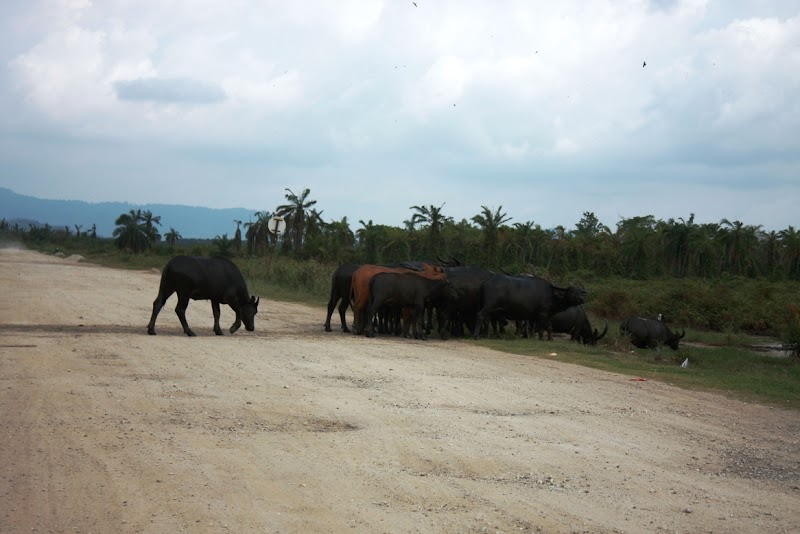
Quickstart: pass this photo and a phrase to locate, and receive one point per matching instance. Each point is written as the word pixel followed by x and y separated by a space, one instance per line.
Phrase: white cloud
pixel 448 91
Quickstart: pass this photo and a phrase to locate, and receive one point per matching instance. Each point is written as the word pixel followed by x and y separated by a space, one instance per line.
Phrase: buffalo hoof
pixel 344 329
pixel 328 329
pixel 218 332
pixel 190 333
pixel 151 331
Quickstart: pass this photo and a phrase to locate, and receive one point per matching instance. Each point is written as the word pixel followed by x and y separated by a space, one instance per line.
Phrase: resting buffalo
pixel 524 298
pixel 405 290
pixel 202 278
pixel 341 282
pixel 649 333
pixel 575 322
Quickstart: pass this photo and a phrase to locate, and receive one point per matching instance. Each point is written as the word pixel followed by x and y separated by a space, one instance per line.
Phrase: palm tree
pixel 681 241
pixel 741 246
pixel 490 224
pixel 340 239
pixel 769 252
pixel 528 242
pixel 223 245
pixel 78 230
pixel 173 236
pixel 591 244
pixel 635 237
pixel 257 232
pixel 250 232
pixel 237 237
pixel 296 212
pixel 790 251
pixel 131 233
pixel 368 241
pixel 314 224
pixel 435 219
pixel 150 223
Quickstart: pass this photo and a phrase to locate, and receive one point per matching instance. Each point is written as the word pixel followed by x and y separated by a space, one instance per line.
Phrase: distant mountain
pixel 189 221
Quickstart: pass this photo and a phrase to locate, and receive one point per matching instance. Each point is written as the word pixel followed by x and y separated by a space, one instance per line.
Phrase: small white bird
pixel 685 363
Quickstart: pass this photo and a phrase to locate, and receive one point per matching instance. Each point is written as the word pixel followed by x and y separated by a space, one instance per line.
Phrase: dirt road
pixel 290 429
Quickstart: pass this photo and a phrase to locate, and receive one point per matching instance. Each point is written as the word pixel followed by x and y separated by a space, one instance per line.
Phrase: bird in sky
pixel 644 64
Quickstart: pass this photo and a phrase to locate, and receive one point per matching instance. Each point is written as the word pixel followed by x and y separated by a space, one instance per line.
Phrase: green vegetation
pixel 728 284
pixel 136 231
pixel 736 371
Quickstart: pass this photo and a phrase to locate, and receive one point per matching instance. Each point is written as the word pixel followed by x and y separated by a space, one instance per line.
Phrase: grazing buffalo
pixel 359 287
pixel 649 333
pixel 575 322
pixel 202 278
pixel 408 291
pixel 341 282
pixel 524 298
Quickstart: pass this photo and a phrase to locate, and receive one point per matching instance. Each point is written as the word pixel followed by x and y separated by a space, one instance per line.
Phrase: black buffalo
pixel 466 303
pixel 405 290
pixel 575 322
pixel 340 291
pixel 202 278
pixel 649 333
pixel 524 298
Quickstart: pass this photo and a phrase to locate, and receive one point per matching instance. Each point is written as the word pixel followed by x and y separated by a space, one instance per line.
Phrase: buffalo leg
pixel 180 310
pixel 419 322
pixel 237 323
pixel 161 299
pixel 215 311
pixel 358 327
pixel 157 305
pixel 342 315
pixel 331 307
pixel 369 328
pixel 543 322
pixel 476 331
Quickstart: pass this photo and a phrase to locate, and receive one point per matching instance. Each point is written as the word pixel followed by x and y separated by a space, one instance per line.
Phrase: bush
pixel 791 334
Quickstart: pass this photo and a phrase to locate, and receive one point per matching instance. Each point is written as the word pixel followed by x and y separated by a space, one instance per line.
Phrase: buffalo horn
pixel 410 266
pixel 456 260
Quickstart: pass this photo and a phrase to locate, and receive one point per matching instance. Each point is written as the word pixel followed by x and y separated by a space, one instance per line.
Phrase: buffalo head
pixel 570 296
pixel 597 337
pixel 674 339
pixel 246 315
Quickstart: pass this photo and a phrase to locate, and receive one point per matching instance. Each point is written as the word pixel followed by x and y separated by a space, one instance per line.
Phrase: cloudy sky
pixel 542 107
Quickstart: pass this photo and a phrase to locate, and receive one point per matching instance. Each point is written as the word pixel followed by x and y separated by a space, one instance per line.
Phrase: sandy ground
pixel 290 429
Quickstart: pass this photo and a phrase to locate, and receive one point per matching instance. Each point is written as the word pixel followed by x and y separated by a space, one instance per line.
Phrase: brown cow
pixel 359 288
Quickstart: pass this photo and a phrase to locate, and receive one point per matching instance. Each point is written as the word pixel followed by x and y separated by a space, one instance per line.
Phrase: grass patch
pixel 735 371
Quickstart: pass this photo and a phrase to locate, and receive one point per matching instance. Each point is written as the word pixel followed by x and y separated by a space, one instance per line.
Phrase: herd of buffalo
pixel 402 298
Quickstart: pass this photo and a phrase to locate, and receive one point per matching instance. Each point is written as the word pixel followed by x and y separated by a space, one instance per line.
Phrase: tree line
pixel 639 247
